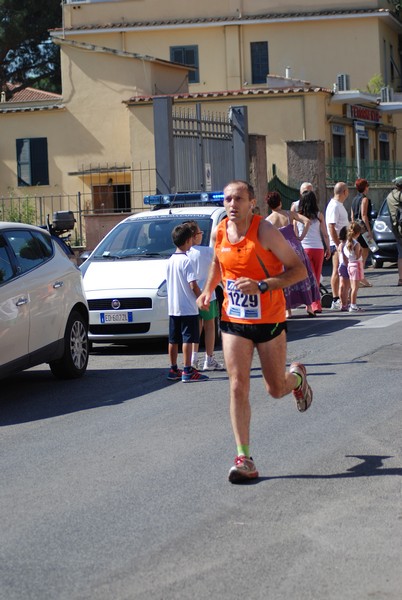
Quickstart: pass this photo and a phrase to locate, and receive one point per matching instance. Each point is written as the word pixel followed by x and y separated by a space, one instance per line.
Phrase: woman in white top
pixel 315 238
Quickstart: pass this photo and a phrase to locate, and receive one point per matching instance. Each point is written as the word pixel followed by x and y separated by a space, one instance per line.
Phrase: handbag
pixel 362 225
pixel 356 212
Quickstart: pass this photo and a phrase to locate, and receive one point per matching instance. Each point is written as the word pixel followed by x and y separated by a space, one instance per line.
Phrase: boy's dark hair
pixel 193 225
pixel 181 234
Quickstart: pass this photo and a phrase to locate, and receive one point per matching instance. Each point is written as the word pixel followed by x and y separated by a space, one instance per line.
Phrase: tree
pixel 375 84
pixel 28 57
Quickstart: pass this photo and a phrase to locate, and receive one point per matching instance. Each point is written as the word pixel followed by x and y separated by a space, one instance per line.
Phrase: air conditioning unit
pixel 343 82
pixel 387 94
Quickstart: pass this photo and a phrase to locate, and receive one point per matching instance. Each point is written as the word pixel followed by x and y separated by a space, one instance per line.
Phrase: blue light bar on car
pixel 185 198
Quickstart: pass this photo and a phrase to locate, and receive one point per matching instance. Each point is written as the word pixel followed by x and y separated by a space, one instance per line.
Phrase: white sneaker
pixel 196 365
pixel 336 304
pixel 211 364
pixel 355 308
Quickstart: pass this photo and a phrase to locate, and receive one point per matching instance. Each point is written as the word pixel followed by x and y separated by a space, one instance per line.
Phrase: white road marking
pixel 381 321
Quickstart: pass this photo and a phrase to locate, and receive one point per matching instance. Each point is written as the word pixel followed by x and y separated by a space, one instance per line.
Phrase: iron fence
pixel 124 191
pixel 376 172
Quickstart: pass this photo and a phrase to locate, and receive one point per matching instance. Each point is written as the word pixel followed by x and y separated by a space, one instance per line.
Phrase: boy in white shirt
pixel 336 217
pixel 183 292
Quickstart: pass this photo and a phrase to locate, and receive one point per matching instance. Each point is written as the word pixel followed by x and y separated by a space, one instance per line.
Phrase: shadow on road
pixel 370 465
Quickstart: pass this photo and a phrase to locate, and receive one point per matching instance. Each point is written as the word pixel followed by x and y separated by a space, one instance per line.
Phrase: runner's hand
pixel 247 285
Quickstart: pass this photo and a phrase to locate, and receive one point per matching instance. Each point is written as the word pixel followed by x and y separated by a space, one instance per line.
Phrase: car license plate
pixel 116 317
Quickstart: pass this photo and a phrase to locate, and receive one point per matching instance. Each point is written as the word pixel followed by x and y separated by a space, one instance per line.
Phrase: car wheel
pixel 74 361
pixel 377 263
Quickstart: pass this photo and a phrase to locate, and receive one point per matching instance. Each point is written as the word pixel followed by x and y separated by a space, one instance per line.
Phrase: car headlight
pixel 162 290
pixel 381 227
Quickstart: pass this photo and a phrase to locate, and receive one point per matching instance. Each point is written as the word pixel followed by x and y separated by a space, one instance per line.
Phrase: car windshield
pixel 149 237
pixel 384 211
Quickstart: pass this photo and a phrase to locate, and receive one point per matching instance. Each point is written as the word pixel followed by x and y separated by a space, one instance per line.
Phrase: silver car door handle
pixel 21 301
pixel 58 284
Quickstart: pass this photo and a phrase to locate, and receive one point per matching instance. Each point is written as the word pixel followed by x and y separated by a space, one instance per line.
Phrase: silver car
pixel 43 309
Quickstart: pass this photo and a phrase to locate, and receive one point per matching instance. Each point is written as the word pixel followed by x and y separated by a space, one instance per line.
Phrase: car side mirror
pixel 374 214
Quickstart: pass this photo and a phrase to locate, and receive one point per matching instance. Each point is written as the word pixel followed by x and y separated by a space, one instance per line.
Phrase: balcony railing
pixel 378 171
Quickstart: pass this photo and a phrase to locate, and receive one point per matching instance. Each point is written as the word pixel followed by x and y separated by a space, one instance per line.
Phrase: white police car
pixel 125 276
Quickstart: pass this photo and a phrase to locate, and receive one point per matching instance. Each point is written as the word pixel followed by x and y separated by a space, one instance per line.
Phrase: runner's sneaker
pixel 174 375
pixel 336 304
pixel 193 376
pixel 243 469
pixel 211 364
pixel 196 365
pixel 302 394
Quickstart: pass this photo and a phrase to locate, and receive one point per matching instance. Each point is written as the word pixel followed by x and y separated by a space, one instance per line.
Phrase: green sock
pixel 243 450
pixel 299 380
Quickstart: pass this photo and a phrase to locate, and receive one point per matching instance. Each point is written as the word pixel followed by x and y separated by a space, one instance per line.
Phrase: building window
pixel 259 62
pixel 32 162
pixel 187 55
pixel 384 145
pixel 112 198
pixel 338 141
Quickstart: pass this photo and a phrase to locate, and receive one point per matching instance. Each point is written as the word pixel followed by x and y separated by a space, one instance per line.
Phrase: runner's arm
pixel 272 239
pixel 213 279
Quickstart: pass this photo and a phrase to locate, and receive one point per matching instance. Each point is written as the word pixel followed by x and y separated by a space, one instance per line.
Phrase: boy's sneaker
pixel 211 364
pixel 196 364
pixel 302 394
pixel 243 469
pixel 174 375
pixel 336 304
pixel 193 376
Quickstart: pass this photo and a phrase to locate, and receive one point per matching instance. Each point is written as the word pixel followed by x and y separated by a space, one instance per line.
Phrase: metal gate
pixel 197 152
pixel 203 150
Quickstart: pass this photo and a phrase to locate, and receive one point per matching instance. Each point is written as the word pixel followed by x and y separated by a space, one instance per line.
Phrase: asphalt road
pixel 115 487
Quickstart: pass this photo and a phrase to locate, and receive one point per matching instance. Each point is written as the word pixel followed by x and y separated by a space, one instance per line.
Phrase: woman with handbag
pixel 361 214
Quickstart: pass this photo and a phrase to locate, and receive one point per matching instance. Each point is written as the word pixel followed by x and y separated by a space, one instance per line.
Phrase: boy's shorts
pixel 211 313
pixel 184 329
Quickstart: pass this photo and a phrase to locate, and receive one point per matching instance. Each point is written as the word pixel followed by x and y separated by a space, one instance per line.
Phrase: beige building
pixel 93 147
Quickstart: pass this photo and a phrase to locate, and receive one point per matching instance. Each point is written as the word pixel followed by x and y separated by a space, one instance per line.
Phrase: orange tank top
pixel 242 260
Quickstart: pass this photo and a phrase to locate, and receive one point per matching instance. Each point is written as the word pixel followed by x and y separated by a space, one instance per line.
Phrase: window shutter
pixel 24 162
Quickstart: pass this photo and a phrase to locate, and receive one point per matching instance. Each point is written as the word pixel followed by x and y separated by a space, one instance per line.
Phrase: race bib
pixel 242 306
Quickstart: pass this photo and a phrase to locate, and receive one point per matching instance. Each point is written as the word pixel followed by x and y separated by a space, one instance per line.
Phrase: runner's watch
pixel 263 286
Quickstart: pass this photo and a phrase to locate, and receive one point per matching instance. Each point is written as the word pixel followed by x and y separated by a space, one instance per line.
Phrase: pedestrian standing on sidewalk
pixel 250 256
pixel 344 281
pixel 394 202
pixel 314 240
pixel 306 186
pixel 201 257
pixel 361 212
pixel 182 291
pixel 353 252
pixel 336 217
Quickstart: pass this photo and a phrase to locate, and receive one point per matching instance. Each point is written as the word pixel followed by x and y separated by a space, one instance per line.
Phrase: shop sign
pixel 338 130
pixel 363 113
